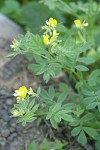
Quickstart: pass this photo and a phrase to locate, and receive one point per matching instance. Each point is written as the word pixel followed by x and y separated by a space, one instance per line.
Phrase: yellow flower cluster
pixel 17 113
pixel 50 35
pixel 15 44
pixel 79 24
pixel 50 39
pixel 52 22
pixel 21 94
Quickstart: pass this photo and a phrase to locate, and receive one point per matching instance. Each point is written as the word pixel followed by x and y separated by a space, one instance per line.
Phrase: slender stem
pixel 71 73
pixel 45 113
pixel 81 37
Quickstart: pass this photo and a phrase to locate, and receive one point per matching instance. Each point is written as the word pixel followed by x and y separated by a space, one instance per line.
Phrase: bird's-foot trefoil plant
pixel 54 52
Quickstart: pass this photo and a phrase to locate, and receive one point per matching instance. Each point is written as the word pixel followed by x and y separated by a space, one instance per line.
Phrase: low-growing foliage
pixel 54 52
pixel 45 145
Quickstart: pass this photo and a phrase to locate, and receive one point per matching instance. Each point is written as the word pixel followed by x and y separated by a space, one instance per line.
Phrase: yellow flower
pixel 19 99
pixel 84 23
pixel 79 24
pixel 21 92
pixel 52 22
pixel 54 37
pixel 46 39
pixel 15 113
pixel 14 44
pixel 55 34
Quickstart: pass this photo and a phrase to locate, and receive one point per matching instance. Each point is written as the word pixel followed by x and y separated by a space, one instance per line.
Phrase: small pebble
pixel 9 102
pixel 5 133
pixel 5 115
pixel 12 129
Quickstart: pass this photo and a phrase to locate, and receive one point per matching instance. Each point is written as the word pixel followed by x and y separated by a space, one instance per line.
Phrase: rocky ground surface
pixel 13 74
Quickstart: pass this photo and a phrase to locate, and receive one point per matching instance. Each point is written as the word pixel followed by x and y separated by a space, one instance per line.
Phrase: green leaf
pixel 51 4
pixel 25 103
pixel 19 120
pixel 58 145
pixel 82 138
pixel 88 93
pixel 83 47
pixel 88 100
pixel 63 87
pixel 31 104
pixel 51 92
pixel 35 108
pixel 31 119
pixel 13 54
pixel 79 110
pixel 9 10
pixel 49 115
pixel 28 115
pixel 99 106
pixel 32 44
pixel 63 112
pixel 45 145
pixel 91 132
pixel 68 43
pixel 81 68
pixel 75 123
pixel 33 8
pixel 97 145
pixel 53 122
pixel 98 93
pixel 57 117
pixel 86 60
pixel 24 123
pixel 56 108
pixel 62 97
pixel 69 106
pixel 94 77
pixel 37 68
pixel 76 131
pixel 92 105
pixel 32 146
pixel 67 117
pixel 44 94
pixel 87 118
pixel 46 77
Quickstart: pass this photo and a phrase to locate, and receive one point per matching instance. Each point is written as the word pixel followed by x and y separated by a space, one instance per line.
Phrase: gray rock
pixel 12 136
pixel 9 31
pixel 8 68
pixel 12 129
pixel 5 133
pixel 9 102
pixel 5 115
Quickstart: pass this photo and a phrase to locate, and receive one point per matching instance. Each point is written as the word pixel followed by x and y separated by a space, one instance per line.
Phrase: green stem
pixel 81 37
pixel 41 114
pixel 80 76
pixel 71 73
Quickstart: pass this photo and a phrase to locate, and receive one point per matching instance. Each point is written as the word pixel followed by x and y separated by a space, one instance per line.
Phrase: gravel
pixel 5 133
pixel 13 136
